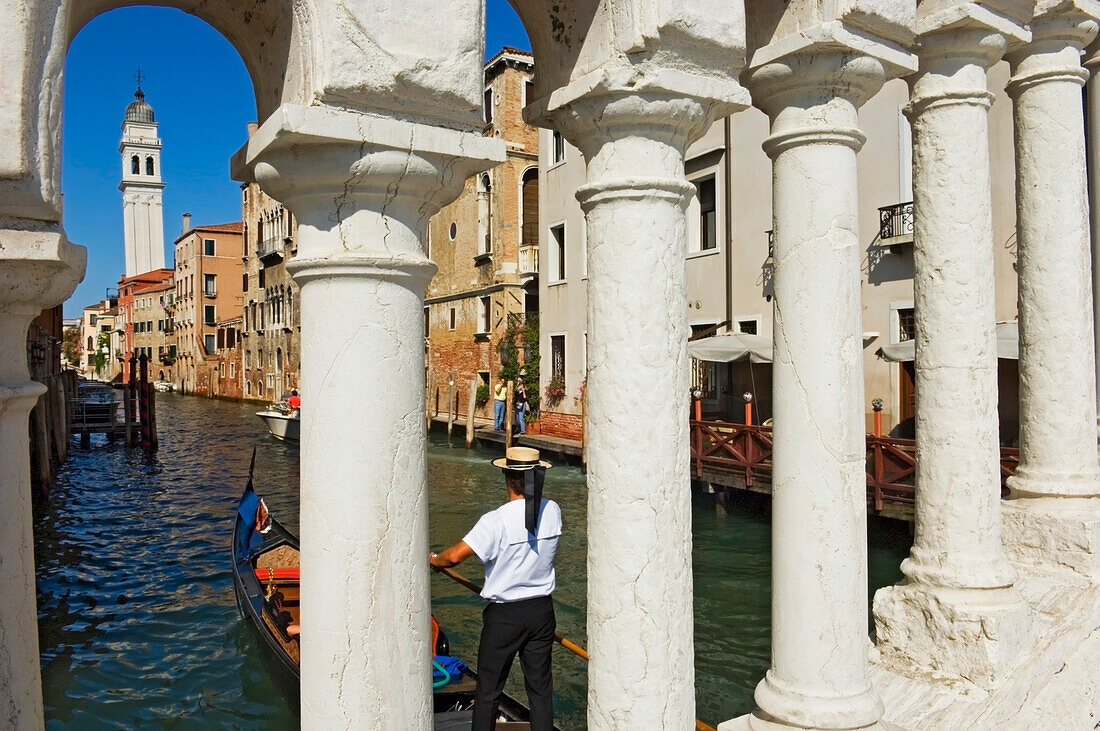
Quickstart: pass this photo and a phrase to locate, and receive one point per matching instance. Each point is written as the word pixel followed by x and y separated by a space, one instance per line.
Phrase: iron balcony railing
pixel 895 223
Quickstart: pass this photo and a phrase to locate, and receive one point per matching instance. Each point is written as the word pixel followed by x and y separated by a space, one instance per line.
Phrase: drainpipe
pixel 728 213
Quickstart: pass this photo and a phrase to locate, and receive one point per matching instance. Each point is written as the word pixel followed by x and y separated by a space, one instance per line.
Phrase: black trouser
pixel 526 627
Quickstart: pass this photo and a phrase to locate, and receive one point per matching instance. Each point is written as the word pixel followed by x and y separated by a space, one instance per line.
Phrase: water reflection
pixel 138 624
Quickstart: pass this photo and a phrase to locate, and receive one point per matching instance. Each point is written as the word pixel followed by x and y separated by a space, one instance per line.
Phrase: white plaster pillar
pixel 362 189
pixel 38 269
pixel 818 677
pixel 958 612
pixel 1055 517
pixel 1092 147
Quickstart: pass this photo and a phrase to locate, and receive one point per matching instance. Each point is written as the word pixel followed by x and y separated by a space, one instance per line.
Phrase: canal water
pixel 137 620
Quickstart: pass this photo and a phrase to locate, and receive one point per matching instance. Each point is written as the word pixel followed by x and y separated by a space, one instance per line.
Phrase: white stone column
pixel 818 677
pixel 1056 517
pixel 1092 147
pixel 958 614
pixel 640 623
pixel 362 189
pixel 38 269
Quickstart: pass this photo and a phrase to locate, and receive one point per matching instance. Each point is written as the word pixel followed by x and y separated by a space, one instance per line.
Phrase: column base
pixel 1054 533
pixel 977 635
pixel 791 708
pixel 1062 485
pixel 760 721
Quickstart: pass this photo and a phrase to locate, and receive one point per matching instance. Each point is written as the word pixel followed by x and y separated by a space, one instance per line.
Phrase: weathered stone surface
pixel 362 190
pixel 958 613
pixel 38 269
pixel 1058 454
pixel 682 47
pixel 1054 687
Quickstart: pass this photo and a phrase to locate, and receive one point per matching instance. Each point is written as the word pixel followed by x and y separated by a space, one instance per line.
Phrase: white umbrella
pixel 1008 345
pixel 732 348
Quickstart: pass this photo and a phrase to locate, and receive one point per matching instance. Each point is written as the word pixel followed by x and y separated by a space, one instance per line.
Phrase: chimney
pixel 186 223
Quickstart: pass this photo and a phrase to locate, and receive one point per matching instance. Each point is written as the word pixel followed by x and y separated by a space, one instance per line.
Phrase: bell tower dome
pixel 142 188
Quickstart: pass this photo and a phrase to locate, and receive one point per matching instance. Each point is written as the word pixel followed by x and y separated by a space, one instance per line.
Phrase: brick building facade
pixel 485 244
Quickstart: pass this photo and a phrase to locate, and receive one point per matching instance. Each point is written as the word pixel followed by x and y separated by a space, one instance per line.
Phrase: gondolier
pixel 517 543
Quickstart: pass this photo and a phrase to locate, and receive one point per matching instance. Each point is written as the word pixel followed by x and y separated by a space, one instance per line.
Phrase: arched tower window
pixel 149 166
pixel 135 165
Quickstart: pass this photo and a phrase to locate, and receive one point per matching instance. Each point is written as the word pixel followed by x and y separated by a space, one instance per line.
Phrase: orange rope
pixel 567 644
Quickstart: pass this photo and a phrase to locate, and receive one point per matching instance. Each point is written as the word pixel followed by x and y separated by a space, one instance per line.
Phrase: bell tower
pixel 142 188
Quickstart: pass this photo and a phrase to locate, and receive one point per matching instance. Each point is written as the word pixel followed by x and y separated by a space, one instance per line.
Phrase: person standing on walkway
pixel 500 396
pixel 517 543
pixel 519 403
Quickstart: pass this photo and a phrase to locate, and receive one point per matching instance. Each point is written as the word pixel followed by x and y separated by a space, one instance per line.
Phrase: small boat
pixel 266 582
pixel 163 386
pixel 94 403
pixel 283 422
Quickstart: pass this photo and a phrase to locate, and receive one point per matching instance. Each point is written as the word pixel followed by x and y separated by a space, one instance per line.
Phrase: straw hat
pixel 520 459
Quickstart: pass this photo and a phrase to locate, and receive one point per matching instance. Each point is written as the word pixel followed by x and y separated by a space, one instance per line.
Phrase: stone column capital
pixel 39 267
pixel 328 165
pixel 968 30
pixel 811 97
pixel 1060 30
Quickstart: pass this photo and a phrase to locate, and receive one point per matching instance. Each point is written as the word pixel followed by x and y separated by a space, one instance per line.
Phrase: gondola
pixel 266 583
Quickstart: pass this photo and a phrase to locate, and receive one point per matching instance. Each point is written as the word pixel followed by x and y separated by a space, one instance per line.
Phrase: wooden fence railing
pixel 746 450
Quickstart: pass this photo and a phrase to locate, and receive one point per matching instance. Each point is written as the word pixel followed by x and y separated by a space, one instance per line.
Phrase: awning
pixel 1008 345
pixel 732 348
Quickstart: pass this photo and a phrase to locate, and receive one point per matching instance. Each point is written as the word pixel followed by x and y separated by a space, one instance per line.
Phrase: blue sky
pixel 203 100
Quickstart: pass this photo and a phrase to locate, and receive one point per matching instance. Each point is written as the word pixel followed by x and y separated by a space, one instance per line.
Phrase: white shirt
pixel 517 565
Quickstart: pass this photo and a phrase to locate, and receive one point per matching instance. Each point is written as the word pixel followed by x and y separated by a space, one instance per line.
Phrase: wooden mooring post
pixel 143 403
pixel 128 415
pixel 509 415
pixel 471 400
pixel 450 404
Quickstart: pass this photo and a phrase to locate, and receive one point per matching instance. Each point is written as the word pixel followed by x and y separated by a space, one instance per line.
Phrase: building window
pixel 244 282
pixel 907 325
pixel 209 285
pixel 557 356
pixel 484 216
pixel 529 232
pixel 208 247
pixel 453 230
pixel 209 315
pixel 427 316
pixel 452 319
pixel 558 148
pixel 210 342
pixel 528 91
pixel 149 166
pixel 232 370
pixel 749 325
pixel 557 252
pixel 135 165
pixel 485 311
pixel 488 106
pixel 708 213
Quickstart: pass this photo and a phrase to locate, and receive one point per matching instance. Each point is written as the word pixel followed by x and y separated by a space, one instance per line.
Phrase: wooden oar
pixel 566 643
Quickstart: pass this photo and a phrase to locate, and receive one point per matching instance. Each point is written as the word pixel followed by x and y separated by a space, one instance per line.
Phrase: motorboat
pixel 163 386
pixel 94 403
pixel 283 422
